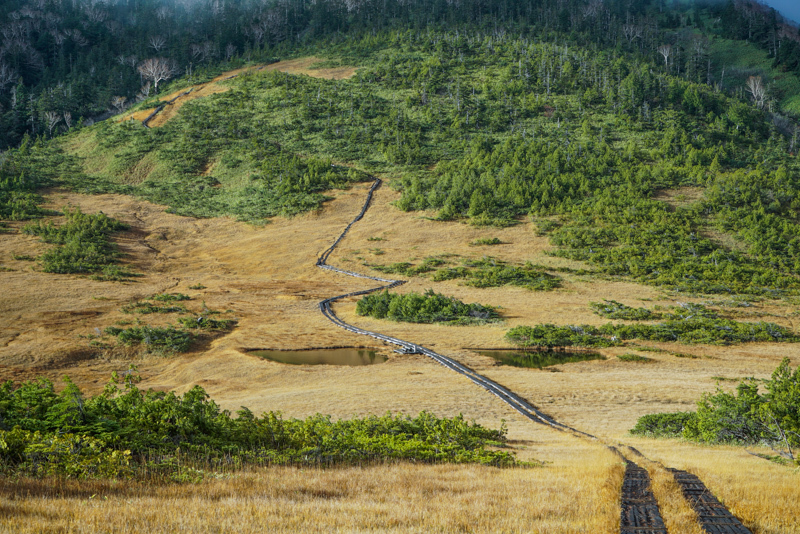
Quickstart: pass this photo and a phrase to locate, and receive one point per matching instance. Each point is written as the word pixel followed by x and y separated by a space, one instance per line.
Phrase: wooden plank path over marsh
pixel 640 513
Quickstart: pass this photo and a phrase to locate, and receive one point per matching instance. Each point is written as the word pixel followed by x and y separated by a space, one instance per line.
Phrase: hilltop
pixel 588 191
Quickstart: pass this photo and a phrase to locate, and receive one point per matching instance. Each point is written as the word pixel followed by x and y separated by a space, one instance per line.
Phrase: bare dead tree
pixel 51 118
pixel 666 51
pixel 157 69
pixel 163 13
pixel 755 86
pixel 113 27
pixel 157 43
pixel 230 51
pixel 144 92
pixel 96 14
pixel 258 31
pixel 77 37
pixel 68 119
pixel 203 51
pixel 118 103
pixel 7 75
pixel 631 32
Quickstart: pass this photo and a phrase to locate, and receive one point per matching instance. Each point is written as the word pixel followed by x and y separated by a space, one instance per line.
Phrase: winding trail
pixel 639 513
pixel 406 347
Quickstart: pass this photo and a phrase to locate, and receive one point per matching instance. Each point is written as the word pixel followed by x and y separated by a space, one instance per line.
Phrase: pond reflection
pixel 348 356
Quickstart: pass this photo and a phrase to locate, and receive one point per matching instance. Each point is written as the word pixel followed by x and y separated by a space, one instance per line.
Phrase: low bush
pixel 634 358
pixel 429 307
pixel 171 297
pixel 685 323
pixel 616 310
pixel 206 323
pixel 663 425
pixel 487 241
pixel 484 272
pixel 759 412
pixel 164 340
pixel 144 307
pixel 84 243
pixel 126 431
pixel 549 335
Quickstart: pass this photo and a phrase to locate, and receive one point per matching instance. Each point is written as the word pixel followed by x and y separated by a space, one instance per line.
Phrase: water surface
pixel 538 359
pixel 351 357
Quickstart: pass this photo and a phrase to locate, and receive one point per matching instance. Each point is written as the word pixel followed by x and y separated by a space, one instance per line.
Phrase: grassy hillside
pixel 535 172
pixel 597 147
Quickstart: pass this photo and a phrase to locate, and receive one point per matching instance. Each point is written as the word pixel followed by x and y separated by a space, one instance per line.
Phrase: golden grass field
pixel 267 278
pixel 578 495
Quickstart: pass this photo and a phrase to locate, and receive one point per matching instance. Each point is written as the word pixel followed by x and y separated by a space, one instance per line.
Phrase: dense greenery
pixel 686 323
pixel 593 142
pixel 759 412
pixel 663 425
pixel 162 340
pixel 429 307
pixel 552 336
pixel 22 172
pixel 84 242
pixel 126 431
pixel 616 310
pixel 540 359
pixel 483 272
pixel 258 178
pixel 63 61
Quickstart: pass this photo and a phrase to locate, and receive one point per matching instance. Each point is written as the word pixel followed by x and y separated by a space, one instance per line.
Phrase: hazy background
pixel 788 8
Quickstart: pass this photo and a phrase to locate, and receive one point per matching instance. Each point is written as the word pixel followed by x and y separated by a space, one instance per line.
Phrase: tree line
pixel 67 60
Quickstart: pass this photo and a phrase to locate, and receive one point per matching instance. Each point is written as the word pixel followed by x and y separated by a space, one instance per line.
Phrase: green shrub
pixel 429 307
pixel 663 425
pixel 164 340
pixel 487 241
pixel 749 416
pixel 171 297
pixel 126 431
pixel 616 310
pixel 206 323
pixel 61 455
pixel 549 335
pixel 144 307
pixel 84 244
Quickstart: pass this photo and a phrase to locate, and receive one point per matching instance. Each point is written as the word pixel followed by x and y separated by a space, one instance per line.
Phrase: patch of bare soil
pixel 291 66
pixel 680 196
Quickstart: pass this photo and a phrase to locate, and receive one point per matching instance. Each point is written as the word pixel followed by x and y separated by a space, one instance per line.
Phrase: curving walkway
pixel 640 513
pixel 406 347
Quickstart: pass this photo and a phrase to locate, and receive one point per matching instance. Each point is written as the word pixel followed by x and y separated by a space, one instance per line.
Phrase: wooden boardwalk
pixel 712 514
pixel 640 512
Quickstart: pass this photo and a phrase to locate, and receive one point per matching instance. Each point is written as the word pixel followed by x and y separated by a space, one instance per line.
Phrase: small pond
pixel 538 359
pixel 346 356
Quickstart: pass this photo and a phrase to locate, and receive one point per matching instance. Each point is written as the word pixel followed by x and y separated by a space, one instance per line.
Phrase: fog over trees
pixel 81 57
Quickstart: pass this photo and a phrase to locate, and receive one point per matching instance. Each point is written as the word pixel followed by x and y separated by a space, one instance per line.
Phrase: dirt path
pixel 159 116
pixel 640 512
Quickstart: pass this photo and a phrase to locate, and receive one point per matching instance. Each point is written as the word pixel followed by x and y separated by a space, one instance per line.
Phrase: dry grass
pixel 579 494
pixel 678 515
pixel 266 275
pixel 763 495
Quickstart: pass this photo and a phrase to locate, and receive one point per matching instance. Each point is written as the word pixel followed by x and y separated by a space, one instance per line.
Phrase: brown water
pixel 351 357
pixel 538 359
